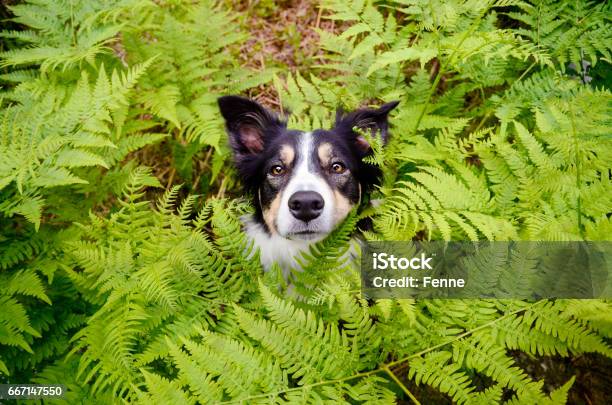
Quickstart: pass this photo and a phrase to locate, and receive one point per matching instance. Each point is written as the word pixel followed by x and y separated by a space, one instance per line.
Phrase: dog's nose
pixel 306 205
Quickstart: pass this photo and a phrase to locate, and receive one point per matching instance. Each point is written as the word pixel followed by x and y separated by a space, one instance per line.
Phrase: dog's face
pixel 304 183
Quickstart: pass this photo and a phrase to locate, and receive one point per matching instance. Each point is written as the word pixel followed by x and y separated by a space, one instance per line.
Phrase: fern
pixel 572 31
pixel 191 67
pixel 155 282
pixel 44 139
pixel 502 133
pixel 63 34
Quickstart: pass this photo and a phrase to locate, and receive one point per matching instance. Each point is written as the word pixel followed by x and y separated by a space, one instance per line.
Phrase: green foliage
pixel 124 300
pixel 570 32
pixel 44 139
pixel 62 34
pixel 147 292
pixel 70 115
pixel 192 66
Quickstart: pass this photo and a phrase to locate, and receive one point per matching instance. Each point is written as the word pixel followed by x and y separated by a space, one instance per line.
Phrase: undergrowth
pixel 124 291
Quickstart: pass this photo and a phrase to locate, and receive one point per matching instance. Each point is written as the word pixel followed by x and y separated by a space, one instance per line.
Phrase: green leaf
pixel 402 55
pixel 56 176
pixel 31 208
pixel 79 158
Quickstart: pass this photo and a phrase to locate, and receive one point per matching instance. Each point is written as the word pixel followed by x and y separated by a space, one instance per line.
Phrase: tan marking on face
pixel 287 154
pixel 342 206
pixel 325 153
pixel 271 213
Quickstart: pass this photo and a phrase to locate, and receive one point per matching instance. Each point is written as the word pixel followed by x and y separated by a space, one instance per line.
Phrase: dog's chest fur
pixel 276 250
pixel 273 248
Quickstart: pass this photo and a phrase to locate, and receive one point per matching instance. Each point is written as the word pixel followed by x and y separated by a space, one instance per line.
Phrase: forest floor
pixel 283 35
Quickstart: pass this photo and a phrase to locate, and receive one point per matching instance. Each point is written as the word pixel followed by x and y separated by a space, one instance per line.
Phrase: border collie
pixel 303 184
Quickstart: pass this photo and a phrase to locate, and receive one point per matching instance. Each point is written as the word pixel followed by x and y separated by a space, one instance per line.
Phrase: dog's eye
pixel 277 170
pixel 338 167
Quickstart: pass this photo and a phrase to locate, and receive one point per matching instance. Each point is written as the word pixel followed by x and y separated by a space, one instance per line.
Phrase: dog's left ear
pixel 374 120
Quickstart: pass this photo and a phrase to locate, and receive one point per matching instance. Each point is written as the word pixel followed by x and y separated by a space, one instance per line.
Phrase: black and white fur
pixel 303 183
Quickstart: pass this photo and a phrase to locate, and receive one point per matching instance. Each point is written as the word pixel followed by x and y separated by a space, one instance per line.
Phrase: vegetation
pixel 123 270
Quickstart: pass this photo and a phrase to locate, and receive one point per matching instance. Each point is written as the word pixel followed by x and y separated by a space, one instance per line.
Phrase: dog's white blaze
pixel 305 178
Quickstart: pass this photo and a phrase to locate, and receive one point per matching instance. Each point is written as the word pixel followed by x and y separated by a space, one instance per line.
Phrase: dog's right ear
pixel 248 124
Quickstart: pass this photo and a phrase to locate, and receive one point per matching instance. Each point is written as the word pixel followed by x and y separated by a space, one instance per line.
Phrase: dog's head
pixel 304 183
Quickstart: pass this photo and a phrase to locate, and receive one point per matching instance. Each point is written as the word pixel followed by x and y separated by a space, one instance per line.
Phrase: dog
pixel 303 184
